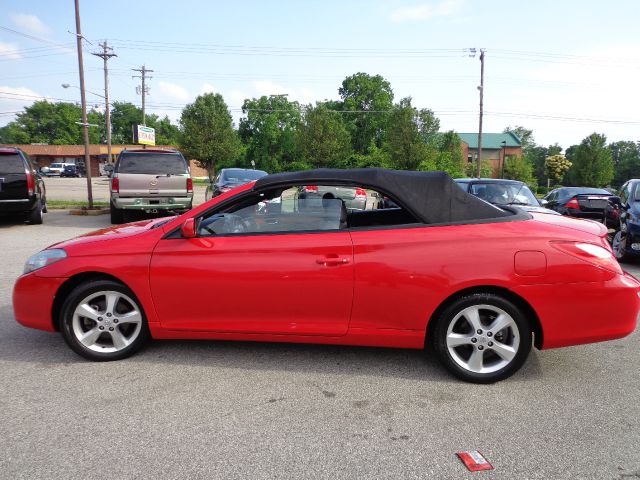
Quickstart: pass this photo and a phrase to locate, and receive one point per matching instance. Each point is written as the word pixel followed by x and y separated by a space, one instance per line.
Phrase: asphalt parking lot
pixel 250 410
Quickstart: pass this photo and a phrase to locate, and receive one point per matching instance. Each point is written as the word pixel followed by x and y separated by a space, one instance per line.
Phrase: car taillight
pixel 115 185
pixel 31 183
pixel 189 185
pixel 361 192
pixel 573 203
pixel 593 254
pixel 311 188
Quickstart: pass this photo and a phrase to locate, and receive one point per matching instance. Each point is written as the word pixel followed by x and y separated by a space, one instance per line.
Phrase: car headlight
pixel 44 258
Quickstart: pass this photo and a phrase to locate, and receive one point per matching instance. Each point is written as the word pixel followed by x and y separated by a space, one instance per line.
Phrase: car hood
pixel 110 234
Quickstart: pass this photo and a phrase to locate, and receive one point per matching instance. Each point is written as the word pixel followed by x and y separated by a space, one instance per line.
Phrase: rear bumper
pixel 157 203
pixel 595 215
pixel 577 313
pixel 33 300
pixel 19 205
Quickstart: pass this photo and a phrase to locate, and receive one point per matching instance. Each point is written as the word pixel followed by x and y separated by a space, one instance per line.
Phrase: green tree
pixel 54 123
pixel 322 138
pixel 592 162
pixel 516 167
pixel 555 167
pixel 208 135
pixel 370 97
pixel 525 135
pixel 626 160
pixel 450 156
pixel 403 140
pixel 269 131
pixel 125 116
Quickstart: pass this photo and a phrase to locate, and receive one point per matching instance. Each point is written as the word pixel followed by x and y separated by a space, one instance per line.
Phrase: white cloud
pixel 14 100
pixel 172 91
pixel 9 51
pixel 29 23
pixel 207 88
pixel 426 11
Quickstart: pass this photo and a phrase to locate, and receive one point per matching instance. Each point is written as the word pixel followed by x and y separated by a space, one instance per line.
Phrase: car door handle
pixel 332 261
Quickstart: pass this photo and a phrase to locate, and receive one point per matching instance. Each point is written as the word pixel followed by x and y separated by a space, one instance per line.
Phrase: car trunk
pixel 143 185
pixel 13 178
pixel 152 174
pixel 593 203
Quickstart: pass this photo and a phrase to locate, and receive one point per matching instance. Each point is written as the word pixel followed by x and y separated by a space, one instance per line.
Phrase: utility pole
pixel 106 54
pixel 481 88
pixel 85 125
pixel 144 90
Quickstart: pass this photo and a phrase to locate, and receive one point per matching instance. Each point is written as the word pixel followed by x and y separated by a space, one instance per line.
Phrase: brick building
pixel 495 147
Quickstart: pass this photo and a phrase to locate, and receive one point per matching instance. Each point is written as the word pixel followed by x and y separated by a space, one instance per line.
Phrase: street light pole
pixel 85 125
pixel 504 157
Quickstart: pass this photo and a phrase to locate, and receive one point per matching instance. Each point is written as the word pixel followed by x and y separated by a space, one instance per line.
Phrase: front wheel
pixel 102 321
pixel 482 338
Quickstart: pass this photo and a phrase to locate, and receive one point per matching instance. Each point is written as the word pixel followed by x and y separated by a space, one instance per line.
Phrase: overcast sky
pixel 561 68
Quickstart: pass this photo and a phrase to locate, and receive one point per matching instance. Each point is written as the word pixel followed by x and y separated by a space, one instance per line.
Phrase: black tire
pixel 35 217
pixel 117 215
pixel 44 206
pixel 619 246
pixel 522 337
pixel 69 306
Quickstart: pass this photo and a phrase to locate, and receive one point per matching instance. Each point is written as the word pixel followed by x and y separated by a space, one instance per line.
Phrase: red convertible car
pixel 441 270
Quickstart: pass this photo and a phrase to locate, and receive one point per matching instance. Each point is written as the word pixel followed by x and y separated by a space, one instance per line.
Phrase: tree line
pixel 363 128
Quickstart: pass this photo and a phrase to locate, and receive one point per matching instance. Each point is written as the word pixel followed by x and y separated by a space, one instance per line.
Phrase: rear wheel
pixel 35 217
pixel 102 320
pixel 482 338
pixel 117 215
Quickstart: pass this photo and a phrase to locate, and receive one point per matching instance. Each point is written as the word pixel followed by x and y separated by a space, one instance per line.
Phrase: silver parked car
pixel 354 198
pixel 150 180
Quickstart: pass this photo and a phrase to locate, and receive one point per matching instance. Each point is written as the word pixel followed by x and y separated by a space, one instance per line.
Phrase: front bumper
pixel 33 298
pixel 587 312
pixel 152 203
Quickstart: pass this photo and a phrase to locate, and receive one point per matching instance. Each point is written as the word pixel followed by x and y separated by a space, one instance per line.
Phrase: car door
pixel 258 270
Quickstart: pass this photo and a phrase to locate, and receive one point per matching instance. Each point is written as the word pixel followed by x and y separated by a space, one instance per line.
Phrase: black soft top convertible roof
pixel 432 197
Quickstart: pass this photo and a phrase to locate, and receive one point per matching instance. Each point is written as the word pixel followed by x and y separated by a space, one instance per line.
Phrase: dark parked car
pixel 623 215
pixel 580 202
pixel 22 190
pixel 70 171
pixel 503 192
pixel 230 178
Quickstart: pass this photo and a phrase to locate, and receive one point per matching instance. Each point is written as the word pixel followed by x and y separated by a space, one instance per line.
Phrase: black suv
pixel 22 191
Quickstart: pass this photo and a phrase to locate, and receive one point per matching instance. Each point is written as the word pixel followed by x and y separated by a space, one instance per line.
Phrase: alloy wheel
pixel 482 339
pixel 107 321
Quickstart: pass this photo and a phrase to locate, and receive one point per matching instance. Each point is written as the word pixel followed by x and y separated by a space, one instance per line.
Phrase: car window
pixel 504 193
pixel 624 193
pixel 286 212
pixel 11 163
pixel 152 163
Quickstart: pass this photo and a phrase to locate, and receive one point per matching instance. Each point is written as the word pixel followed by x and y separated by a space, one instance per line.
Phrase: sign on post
pixel 144 135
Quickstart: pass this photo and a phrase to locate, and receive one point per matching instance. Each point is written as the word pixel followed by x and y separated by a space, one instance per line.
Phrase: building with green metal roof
pixel 495 147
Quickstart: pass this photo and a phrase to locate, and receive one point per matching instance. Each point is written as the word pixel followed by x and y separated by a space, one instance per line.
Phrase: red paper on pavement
pixel 474 461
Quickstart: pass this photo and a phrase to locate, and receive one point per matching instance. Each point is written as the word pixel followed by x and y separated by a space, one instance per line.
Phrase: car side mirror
pixel 543 202
pixel 188 228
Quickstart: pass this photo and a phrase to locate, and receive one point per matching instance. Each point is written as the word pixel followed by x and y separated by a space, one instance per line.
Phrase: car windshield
pixel 152 163
pixel 505 193
pixel 242 176
pixel 11 163
pixel 55 165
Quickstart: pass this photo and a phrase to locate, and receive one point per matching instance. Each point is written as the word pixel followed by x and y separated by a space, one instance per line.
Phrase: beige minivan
pixel 152 181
